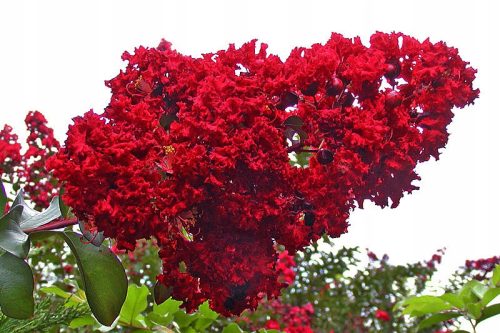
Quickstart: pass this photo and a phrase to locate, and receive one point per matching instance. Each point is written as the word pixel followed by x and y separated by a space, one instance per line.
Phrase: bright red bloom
pixel 195 152
pixel 34 176
pixel 68 269
pixel 10 151
pixel 382 315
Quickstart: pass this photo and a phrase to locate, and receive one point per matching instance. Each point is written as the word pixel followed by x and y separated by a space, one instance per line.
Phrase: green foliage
pixel 12 238
pixel 31 218
pixel 135 303
pixel 16 287
pixel 49 314
pixel 471 302
pixel 104 278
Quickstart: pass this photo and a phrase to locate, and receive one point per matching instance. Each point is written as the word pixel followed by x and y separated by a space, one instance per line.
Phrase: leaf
pixel 94 237
pixel 202 324
pixel 490 295
pixel 16 287
pixel 3 198
pixel 232 328
pixel 478 288
pixel 474 309
pixel 32 219
pixel 293 122
pixel 453 299
pixel 183 319
pixel 418 306
pixel 436 318
pixel 12 238
pixel 205 311
pixel 103 275
pixel 161 292
pixel 495 279
pixel 135 303
pixel 163 314
pixel 489 311
pixel 87 320
pixel 55 290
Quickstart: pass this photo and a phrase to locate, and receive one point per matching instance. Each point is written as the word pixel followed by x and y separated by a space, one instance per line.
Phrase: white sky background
pixel 55 56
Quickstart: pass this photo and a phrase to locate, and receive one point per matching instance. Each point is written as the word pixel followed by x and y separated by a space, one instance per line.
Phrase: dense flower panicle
pixel 10 151
pixel 26 169
pixel 37 181
pixel 195 152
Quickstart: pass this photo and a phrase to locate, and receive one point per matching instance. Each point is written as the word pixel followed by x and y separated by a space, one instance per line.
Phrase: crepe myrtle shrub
pixel 206 154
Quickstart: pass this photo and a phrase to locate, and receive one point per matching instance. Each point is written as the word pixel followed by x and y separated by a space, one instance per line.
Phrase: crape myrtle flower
pixel 10 151
pixel 196 152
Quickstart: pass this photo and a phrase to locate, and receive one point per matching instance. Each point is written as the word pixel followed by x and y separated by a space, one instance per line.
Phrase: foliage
pixel 471 302
pixel 50 314
pixel 103 276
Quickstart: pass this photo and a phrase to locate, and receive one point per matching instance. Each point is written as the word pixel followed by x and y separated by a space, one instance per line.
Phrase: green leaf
pixel 232 328
pixel 183 319
pixel 474 309
pixel 294 122
pixel 205 311
pixel 201 324
pixel 103 275
pixel 418 306
pixel 16 287
pixel 32 219
pixel 87 320
pixel 135 303
pixel 163 314
pixel 453 299
pixel 478 288
pixel 3 198
pixel 169 306
pixel 436 318
pixel 490 295
pixel 161 292
pixel 495 279
pixel 489 311
pixel 55 290
pixel 12 238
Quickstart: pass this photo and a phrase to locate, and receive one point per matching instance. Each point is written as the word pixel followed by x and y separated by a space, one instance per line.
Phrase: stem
pixel 307 150
pixel 294 147
pixel 53 225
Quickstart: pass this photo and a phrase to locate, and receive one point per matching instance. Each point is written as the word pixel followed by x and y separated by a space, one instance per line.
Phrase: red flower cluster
pixel 27 170
pixel 10 151
pixel 482 267
pixel 195 152
pixel 294 319
pixel 285 266
pixel 36 179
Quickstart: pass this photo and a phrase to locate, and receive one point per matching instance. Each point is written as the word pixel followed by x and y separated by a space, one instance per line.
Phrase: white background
pixel 55 55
